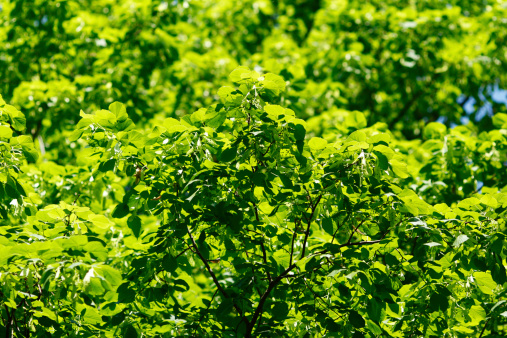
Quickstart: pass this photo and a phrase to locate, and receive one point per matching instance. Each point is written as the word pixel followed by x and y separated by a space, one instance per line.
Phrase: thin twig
pixel 484 328
pixel 354 231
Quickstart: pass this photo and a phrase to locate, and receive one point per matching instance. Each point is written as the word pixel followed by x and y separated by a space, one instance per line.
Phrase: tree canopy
pixel 293 168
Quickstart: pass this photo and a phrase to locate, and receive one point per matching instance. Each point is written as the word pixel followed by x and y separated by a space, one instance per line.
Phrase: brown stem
pixel 338 227
pixel 8 329
pixel 270 288
pixel 314 207
pixel 351 244
pixel 213 276
pixel 355 229
pixel 263 248
pixel 410 102
pixel 293 239
pixel 484 328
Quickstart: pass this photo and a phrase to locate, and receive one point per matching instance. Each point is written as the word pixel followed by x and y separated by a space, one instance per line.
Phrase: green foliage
pixel 234 223
pixel 399 62
pixel 313 195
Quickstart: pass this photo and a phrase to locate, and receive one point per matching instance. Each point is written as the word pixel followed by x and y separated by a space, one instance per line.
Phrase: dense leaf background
pixel 254 168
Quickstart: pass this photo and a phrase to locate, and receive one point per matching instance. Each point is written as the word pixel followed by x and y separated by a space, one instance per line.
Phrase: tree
pixel 314 194
pixel 398 62
pixel 261 231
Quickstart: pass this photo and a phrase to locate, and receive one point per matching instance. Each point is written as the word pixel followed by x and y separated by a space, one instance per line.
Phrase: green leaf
pixel 274 110
pixel 228 155
pixel 224 309
pixel 215 118
pixel 477 314
pixel 439 299
pixel 130 332
pixel 500 120
pixel 375 310
pixel 299 132
pixel 230 96
pixel 242 74
pixel 498 270
pixel 434 130
pixel 485 282
pixel 399 168
pixel 125 294
pixel 134 223
pixel 181 285
pixel 469 203
pixel 317 143
pixel 76 135
pixel 374 328
pixel 5 132
pixel 26 144
pixel 273 83
pixel 169 263
pixel 121 211
pixel 356 320
pixel 16 118
pixel 497 243
pixel 93 285
pixel 355 120
pixel 459 240
pixel 119 110
pixel 111 275
pixel 107 166
pixel 381 137
pixel 280 310
pixel 489 201
pixel 328 226
pixel 358 136
pixel 386 151
pixel 100 221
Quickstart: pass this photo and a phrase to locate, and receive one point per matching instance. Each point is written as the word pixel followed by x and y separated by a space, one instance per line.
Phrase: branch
pixel 465 100
pixel 212 274
pixel 410 102
pixel 338 226
pixel 181 253
pixel 292 244
pixel 361 243
pixel 355 229
pixel 308 227
pixel 258 310
pixel 8 329
pixel 268 149
pixel 406 108
pixel 207 308
pixel 264 256
pixel 350 244
pixel 484 328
